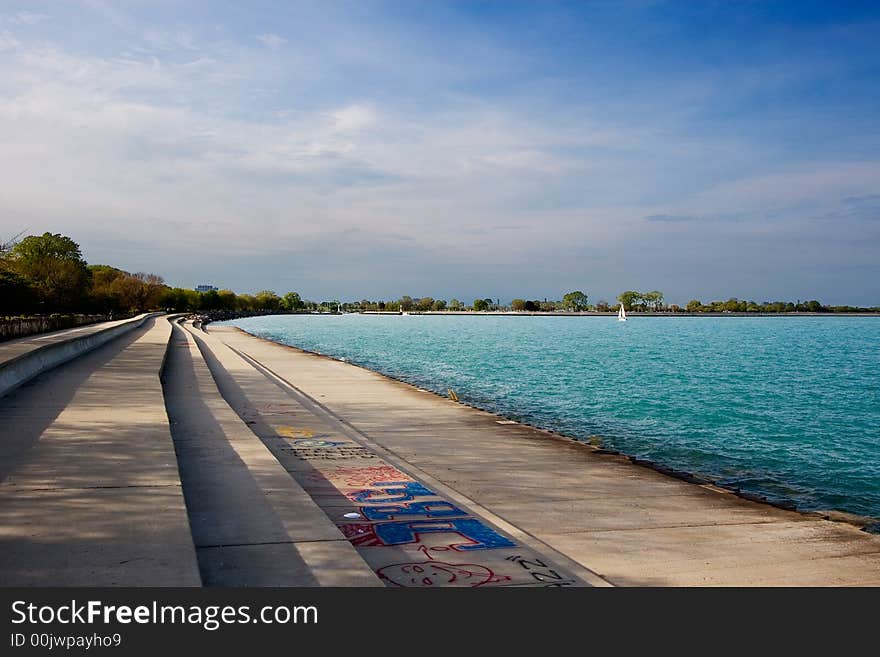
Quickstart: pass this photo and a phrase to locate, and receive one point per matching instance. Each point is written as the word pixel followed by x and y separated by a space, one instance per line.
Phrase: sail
pixel 621 314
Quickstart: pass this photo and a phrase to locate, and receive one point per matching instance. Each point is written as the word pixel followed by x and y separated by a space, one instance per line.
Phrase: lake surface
pixel 787 407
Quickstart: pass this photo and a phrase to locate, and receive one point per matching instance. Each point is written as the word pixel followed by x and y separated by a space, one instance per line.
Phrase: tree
pixel 439 304
pixel 178 299
pixel 532 306
pixel 246 302
pixel 406 303
pixel 227 299
pixel 576 301
pixel 425 303
pixel 481 305
pixel 518 304
pixel 630 299
pixel 105 298
pixel 16 296
pixel 209 300
pixel 654 300
pixel 268 300
pixel 292 302
pixel 53 266
pixel 694 306
pixel 455 304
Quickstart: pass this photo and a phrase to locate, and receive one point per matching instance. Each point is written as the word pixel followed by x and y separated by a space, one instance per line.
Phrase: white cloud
pixel 272 41
pixel 181 143
pixel 7 41
pixel 353 118
pixel 23 18
pixel 29 18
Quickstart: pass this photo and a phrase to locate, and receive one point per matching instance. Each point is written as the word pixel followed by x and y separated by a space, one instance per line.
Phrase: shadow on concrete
pixel 309 477
pixel 239 539
pixel 91 494
pixel 28 411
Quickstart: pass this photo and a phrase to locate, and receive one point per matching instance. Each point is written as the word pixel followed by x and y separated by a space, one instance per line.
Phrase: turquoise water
pixel 787 407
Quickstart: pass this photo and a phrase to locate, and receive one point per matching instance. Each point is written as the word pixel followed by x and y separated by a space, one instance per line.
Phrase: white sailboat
pixel 621 314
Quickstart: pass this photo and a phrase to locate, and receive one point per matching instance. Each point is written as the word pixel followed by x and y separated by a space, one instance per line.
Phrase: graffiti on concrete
pixel 542 572
pixel 474 534
pixel 438 573
pixel 328 452
pixel 361 477
pixel 314 443
pixel 292 432
pixel 435 509
pixel 390 491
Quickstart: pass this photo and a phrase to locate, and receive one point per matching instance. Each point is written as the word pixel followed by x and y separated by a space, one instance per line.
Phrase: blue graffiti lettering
pixel 392 491
pixel 438 509
pixel 480 536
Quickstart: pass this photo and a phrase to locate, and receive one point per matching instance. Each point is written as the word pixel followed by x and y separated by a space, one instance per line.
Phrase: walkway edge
pixel 24 367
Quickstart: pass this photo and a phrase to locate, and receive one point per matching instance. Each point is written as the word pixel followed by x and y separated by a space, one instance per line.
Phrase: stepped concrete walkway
pixel 89 488
pixel 598 512
pixel 255 464
pixel 411 529
pixel 252 524
pixel 24 358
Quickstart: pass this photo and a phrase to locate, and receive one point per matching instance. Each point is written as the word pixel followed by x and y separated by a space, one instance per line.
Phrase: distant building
pixel 206 288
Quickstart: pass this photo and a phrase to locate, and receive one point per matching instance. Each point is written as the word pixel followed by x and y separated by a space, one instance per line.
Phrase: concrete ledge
pixel 21 360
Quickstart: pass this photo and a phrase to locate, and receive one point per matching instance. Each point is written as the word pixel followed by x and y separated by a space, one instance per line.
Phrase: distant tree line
pixel 734 305
pixel 45 274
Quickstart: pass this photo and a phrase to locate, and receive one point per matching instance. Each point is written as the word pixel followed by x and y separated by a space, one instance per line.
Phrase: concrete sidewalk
pixel 412 531
pixel 252 524
pixel 632 525
pixel 24 358
pixel 90 492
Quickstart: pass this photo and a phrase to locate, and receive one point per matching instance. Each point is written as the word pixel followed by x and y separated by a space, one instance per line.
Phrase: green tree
pixel 425 303
pixel 53 266
pixel 518 304
pixel 178 299
pixel 105 298
pixel 481 304
pixel 209 300
pixel 406 303
pixel 455 304
pixel 246 302
pixel 16 296
pixel 292 302
pixel 576 301
pixel 227 299
pixel 439 304
pixel 532 306
pixel 653 300
pixel 694 306
pixel 268 300
pixel 630 299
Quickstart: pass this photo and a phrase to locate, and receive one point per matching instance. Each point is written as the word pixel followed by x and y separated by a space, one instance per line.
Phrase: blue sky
pixel 452 149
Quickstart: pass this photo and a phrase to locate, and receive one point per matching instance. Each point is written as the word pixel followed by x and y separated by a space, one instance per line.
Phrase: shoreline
pixel 867 524
pixel 630 313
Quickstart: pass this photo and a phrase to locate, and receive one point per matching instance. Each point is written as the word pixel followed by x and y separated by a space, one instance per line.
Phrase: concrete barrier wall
pixel 21 327
pixel 23 368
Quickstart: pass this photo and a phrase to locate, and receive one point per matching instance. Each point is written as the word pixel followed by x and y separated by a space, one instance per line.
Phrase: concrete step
pixel 252 524
pixel 24 358
pixel 90 492
pixel 412 532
